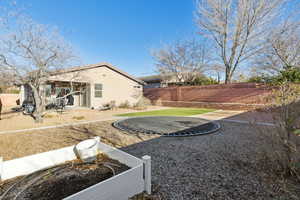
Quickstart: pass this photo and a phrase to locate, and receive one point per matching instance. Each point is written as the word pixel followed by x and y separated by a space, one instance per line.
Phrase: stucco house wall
pixel 115 85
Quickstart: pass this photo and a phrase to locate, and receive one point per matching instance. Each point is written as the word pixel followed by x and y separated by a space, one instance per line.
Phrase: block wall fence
pixel 223 96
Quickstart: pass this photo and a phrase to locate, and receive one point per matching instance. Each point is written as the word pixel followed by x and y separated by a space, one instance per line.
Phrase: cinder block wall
pixel 235 95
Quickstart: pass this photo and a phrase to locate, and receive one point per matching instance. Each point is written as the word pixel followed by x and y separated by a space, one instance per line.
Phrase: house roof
pixel 92 66
pixel 152 78
pixel 155 78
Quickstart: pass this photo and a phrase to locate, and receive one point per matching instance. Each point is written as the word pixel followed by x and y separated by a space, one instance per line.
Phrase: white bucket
pixel 87 150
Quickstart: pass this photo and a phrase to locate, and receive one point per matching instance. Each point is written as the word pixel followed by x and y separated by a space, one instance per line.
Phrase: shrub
pixel 125 104
pixel 158 102
pixel 256 79
pixel 78 117
pixel 143 103
pixel 203 80
pixel 282 149
pixel 12 91
pixel 48 116
pixel 290 74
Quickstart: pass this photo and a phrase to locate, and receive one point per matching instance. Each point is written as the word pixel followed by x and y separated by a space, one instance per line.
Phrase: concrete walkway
pixel 219 114
pixel 242 117
pixel 62 125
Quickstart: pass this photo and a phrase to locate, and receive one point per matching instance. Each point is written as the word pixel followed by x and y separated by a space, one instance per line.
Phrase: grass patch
pixel 49 116
pixel 169 112
pixel 78 117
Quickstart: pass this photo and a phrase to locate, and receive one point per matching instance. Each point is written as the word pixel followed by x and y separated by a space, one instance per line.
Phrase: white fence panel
pixel 119 155
pixel 30 164
pixel 119 187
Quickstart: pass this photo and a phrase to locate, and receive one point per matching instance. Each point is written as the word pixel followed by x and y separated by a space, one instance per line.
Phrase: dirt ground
pixel 27 143
pixel 16 120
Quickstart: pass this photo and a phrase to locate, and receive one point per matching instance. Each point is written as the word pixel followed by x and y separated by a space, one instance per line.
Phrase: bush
pixel 158 102
pixel 12 91
pixel 143 103
pixel 282 143
pixel 125 104
pixel 49 116
pixel 291 74
pixel 78 117
pixel 256 79
pixel 9 91
pixel 203 80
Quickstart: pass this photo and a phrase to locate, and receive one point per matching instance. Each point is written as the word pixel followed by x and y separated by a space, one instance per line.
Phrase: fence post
pixel 147 173
pixel 1 168
pixel 98 139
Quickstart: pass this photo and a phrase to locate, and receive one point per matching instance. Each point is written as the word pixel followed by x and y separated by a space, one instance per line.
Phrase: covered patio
pixel 77 94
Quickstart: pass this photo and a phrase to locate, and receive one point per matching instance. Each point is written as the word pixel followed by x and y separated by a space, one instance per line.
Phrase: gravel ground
pixel 215 166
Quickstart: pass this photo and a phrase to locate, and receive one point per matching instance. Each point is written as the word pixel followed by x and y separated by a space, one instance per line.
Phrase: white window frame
pixel 98 90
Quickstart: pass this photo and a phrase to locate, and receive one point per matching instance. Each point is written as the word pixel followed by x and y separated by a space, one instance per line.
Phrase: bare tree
pixel 4 81
pixel 31 52
pixel 215 71
pixel 236 27
pixel 184 60
pixel 282 51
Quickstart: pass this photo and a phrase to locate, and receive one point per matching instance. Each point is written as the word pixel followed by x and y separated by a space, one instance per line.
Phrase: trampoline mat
pixel 168 126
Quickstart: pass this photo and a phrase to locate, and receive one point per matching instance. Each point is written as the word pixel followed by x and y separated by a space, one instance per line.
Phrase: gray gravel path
pixel 215 166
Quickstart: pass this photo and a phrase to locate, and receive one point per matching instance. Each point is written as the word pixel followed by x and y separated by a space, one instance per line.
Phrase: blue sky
pixel 121 32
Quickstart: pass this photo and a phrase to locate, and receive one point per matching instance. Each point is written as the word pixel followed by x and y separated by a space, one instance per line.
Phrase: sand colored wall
pixel 9 100
pixel 116 87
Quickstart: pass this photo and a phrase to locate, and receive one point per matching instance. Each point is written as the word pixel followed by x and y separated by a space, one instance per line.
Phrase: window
pixel 98 90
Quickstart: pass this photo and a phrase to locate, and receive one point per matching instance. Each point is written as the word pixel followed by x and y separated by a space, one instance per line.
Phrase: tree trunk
pixel 227 78
pixel 39 105
pixel 227 74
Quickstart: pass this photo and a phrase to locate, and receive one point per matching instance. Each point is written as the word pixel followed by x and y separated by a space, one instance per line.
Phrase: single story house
pixel 154 81
pixel 97 84
pixel 159 81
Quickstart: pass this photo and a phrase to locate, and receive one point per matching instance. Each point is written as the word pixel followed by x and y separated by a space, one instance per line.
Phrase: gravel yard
pixel 223 165
pixel 216 166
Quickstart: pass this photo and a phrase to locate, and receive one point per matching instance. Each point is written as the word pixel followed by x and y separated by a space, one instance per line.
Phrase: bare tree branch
pixel 282 49
pixel 237 27
pixel 31 52
pixel 185 60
